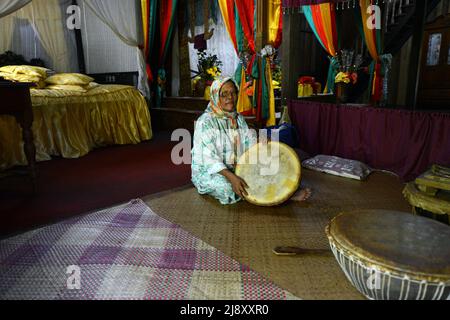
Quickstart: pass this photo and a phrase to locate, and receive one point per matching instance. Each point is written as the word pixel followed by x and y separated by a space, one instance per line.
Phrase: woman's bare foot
pixel 302 195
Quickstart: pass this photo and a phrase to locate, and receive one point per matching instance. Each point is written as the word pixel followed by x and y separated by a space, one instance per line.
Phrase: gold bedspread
pixel 70 124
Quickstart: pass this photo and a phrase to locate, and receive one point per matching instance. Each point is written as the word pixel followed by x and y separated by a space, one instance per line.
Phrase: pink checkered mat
pixel 126 252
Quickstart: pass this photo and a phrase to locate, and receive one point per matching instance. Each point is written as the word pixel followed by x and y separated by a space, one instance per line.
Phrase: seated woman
pixel 221 136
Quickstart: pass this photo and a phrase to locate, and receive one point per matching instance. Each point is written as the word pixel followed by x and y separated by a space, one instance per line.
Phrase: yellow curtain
pixel 368 33
pixel 225 8
pixel 244 104
pixel 328 26
pixel 272 121
pixel 273 22
pixel 144 10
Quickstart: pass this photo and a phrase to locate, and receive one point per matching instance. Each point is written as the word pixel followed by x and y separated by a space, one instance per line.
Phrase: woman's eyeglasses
pixel 226 95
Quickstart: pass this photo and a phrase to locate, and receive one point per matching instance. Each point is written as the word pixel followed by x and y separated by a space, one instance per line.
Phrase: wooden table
pixel 429 194
pixel 15 100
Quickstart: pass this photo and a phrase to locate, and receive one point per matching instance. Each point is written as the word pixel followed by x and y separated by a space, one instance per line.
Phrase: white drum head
pixel 272 172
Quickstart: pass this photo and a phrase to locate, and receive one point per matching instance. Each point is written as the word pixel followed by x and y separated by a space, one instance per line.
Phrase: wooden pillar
pixel 79 44
pixel 420 16
pixel 185 65
pixel 261 32
pixel 302 54
pixel 291 61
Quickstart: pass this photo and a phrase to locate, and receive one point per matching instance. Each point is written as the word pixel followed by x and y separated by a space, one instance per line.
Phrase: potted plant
pixel 347 65
pixel 209 69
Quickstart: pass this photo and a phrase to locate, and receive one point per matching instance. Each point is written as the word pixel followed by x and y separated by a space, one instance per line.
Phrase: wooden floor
pixel 249 233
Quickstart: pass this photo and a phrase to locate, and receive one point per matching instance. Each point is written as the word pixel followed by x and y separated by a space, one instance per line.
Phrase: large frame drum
pixel 272 171
pixel 390 255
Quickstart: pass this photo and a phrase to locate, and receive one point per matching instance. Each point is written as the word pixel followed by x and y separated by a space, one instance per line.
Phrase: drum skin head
pixel 272 172
pixel 397 242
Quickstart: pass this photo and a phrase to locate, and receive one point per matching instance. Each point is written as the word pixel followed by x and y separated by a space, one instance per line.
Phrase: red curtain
pixel 406 143
pixel 167 12
pixel 246 10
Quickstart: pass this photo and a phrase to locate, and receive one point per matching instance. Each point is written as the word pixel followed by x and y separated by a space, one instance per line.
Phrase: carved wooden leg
pixel 29 147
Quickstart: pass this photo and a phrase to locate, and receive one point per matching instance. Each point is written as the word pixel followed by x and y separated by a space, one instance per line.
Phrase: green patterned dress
pixel 214 150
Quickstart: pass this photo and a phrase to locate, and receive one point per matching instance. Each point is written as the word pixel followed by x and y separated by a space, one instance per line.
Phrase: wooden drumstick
pixel 294 251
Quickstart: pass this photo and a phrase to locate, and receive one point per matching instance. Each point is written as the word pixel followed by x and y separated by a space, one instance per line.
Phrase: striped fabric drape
pixel 247 16
pixel 233 24
pixel 167 9
pixel 241 19
pixel 275 35
pixel 322 20
pixel 149 16
pixel 228 10
pixel 167 13
pixel 373 42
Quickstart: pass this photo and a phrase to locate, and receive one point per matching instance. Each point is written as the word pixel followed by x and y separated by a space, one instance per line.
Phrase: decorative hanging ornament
pixel 268 51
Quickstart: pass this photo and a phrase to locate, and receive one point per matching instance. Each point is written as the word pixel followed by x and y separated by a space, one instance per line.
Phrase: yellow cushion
pixel 69 79
pixel 26 70
pixel 93 85
pixel 40 85
pixel 67 87
pixel 20 77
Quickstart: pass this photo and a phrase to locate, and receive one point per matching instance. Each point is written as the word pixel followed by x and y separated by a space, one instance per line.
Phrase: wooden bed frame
pixel 16 101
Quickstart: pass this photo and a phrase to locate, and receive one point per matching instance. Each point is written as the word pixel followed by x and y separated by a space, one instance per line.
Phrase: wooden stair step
pixel 172 119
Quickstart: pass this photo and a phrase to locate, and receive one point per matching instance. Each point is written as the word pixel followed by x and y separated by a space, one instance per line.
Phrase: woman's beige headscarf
pixel 214 106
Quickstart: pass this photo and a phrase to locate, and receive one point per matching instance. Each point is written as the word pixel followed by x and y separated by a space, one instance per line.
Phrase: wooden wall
pixel 400 64
pixel 302 54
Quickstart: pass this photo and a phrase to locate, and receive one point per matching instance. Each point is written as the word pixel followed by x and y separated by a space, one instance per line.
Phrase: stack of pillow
pixel 42 78
pixel 25 73
pixel 70 81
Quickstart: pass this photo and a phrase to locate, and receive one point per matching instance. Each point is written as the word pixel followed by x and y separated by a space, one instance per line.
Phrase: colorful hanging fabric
pixel 161 84
pixel 381 63
pixel 240 20
pixel 247 15
pixel 244 105
pixel 264 89
pixel 167 9
pixel 275 34
pixel 149 16
pixel 268 95
pixel 272 118
pixel 246 10
pixel 322 20
pixel 227 8
pixel 234 27
pixel 309 18
pixel 274 23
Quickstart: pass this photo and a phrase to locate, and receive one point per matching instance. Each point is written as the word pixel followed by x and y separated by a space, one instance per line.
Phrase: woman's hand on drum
pixel 238 184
